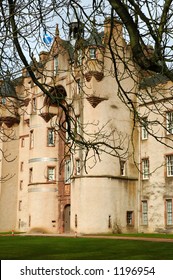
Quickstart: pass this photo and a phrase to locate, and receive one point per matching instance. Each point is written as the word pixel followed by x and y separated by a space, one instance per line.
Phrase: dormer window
pixel 3 101
pixel 92 53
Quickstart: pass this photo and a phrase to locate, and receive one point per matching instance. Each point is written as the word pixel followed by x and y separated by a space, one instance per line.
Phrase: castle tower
pixel 9 123
pixel 104 199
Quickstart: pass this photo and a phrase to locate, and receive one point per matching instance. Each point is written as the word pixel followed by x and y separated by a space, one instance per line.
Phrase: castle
pixel 116 177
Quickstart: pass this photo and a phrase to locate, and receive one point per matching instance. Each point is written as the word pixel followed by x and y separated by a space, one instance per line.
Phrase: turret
pixel 76 27
pixel 9 109
pixel 94 55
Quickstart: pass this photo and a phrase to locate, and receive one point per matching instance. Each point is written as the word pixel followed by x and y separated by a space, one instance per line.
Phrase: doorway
pixel 67 218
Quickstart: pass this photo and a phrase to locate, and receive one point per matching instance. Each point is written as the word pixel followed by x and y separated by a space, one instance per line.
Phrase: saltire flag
pixel 47 39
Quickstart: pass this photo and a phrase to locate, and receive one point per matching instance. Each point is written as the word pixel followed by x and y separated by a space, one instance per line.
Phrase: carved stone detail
pixel 88 76
pixel 97 75
pixel 95 100
pixel 47 116
pixel 10 121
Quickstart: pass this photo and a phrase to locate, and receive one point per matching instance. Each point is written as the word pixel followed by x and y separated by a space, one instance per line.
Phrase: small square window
pixel 51 173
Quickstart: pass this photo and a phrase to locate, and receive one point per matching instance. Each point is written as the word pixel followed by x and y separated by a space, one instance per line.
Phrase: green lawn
pixel 66 248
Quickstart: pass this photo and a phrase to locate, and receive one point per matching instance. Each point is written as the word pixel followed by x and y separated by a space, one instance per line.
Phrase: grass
pixel 145 235
pixel 11 232
pixel 68 248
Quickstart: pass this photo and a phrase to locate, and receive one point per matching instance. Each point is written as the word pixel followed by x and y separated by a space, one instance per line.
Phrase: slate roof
pixel 153 81
pixel 7 88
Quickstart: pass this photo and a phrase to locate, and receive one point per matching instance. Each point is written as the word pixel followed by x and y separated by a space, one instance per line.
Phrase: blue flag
pixel 47 39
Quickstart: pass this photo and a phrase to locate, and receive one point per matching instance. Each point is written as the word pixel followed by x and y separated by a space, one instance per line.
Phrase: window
pixel 109 222
pixel 3 100
pixel 31 139
pixel 145 168
pixel 34 105
pixel 79 57
pixel 67 171
pixel 30 175
pixel 19 223
pixel 22 142
pixel 75 221
pixel 21 185
pixel 67 133
pixel 92 53
pixel 67 137
pixel 51 137
pixel 51 173
pixel 144 132
pixel 144 212
pixel 55 65
pixel 20 205
pixel 78 125
pixel 29 221
pixel 169 122
pixel 78 86
pixel 21 166
pixel 78 167
pixel 130 218
pixel 169 212
pixel 169 165
pixel 122 167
